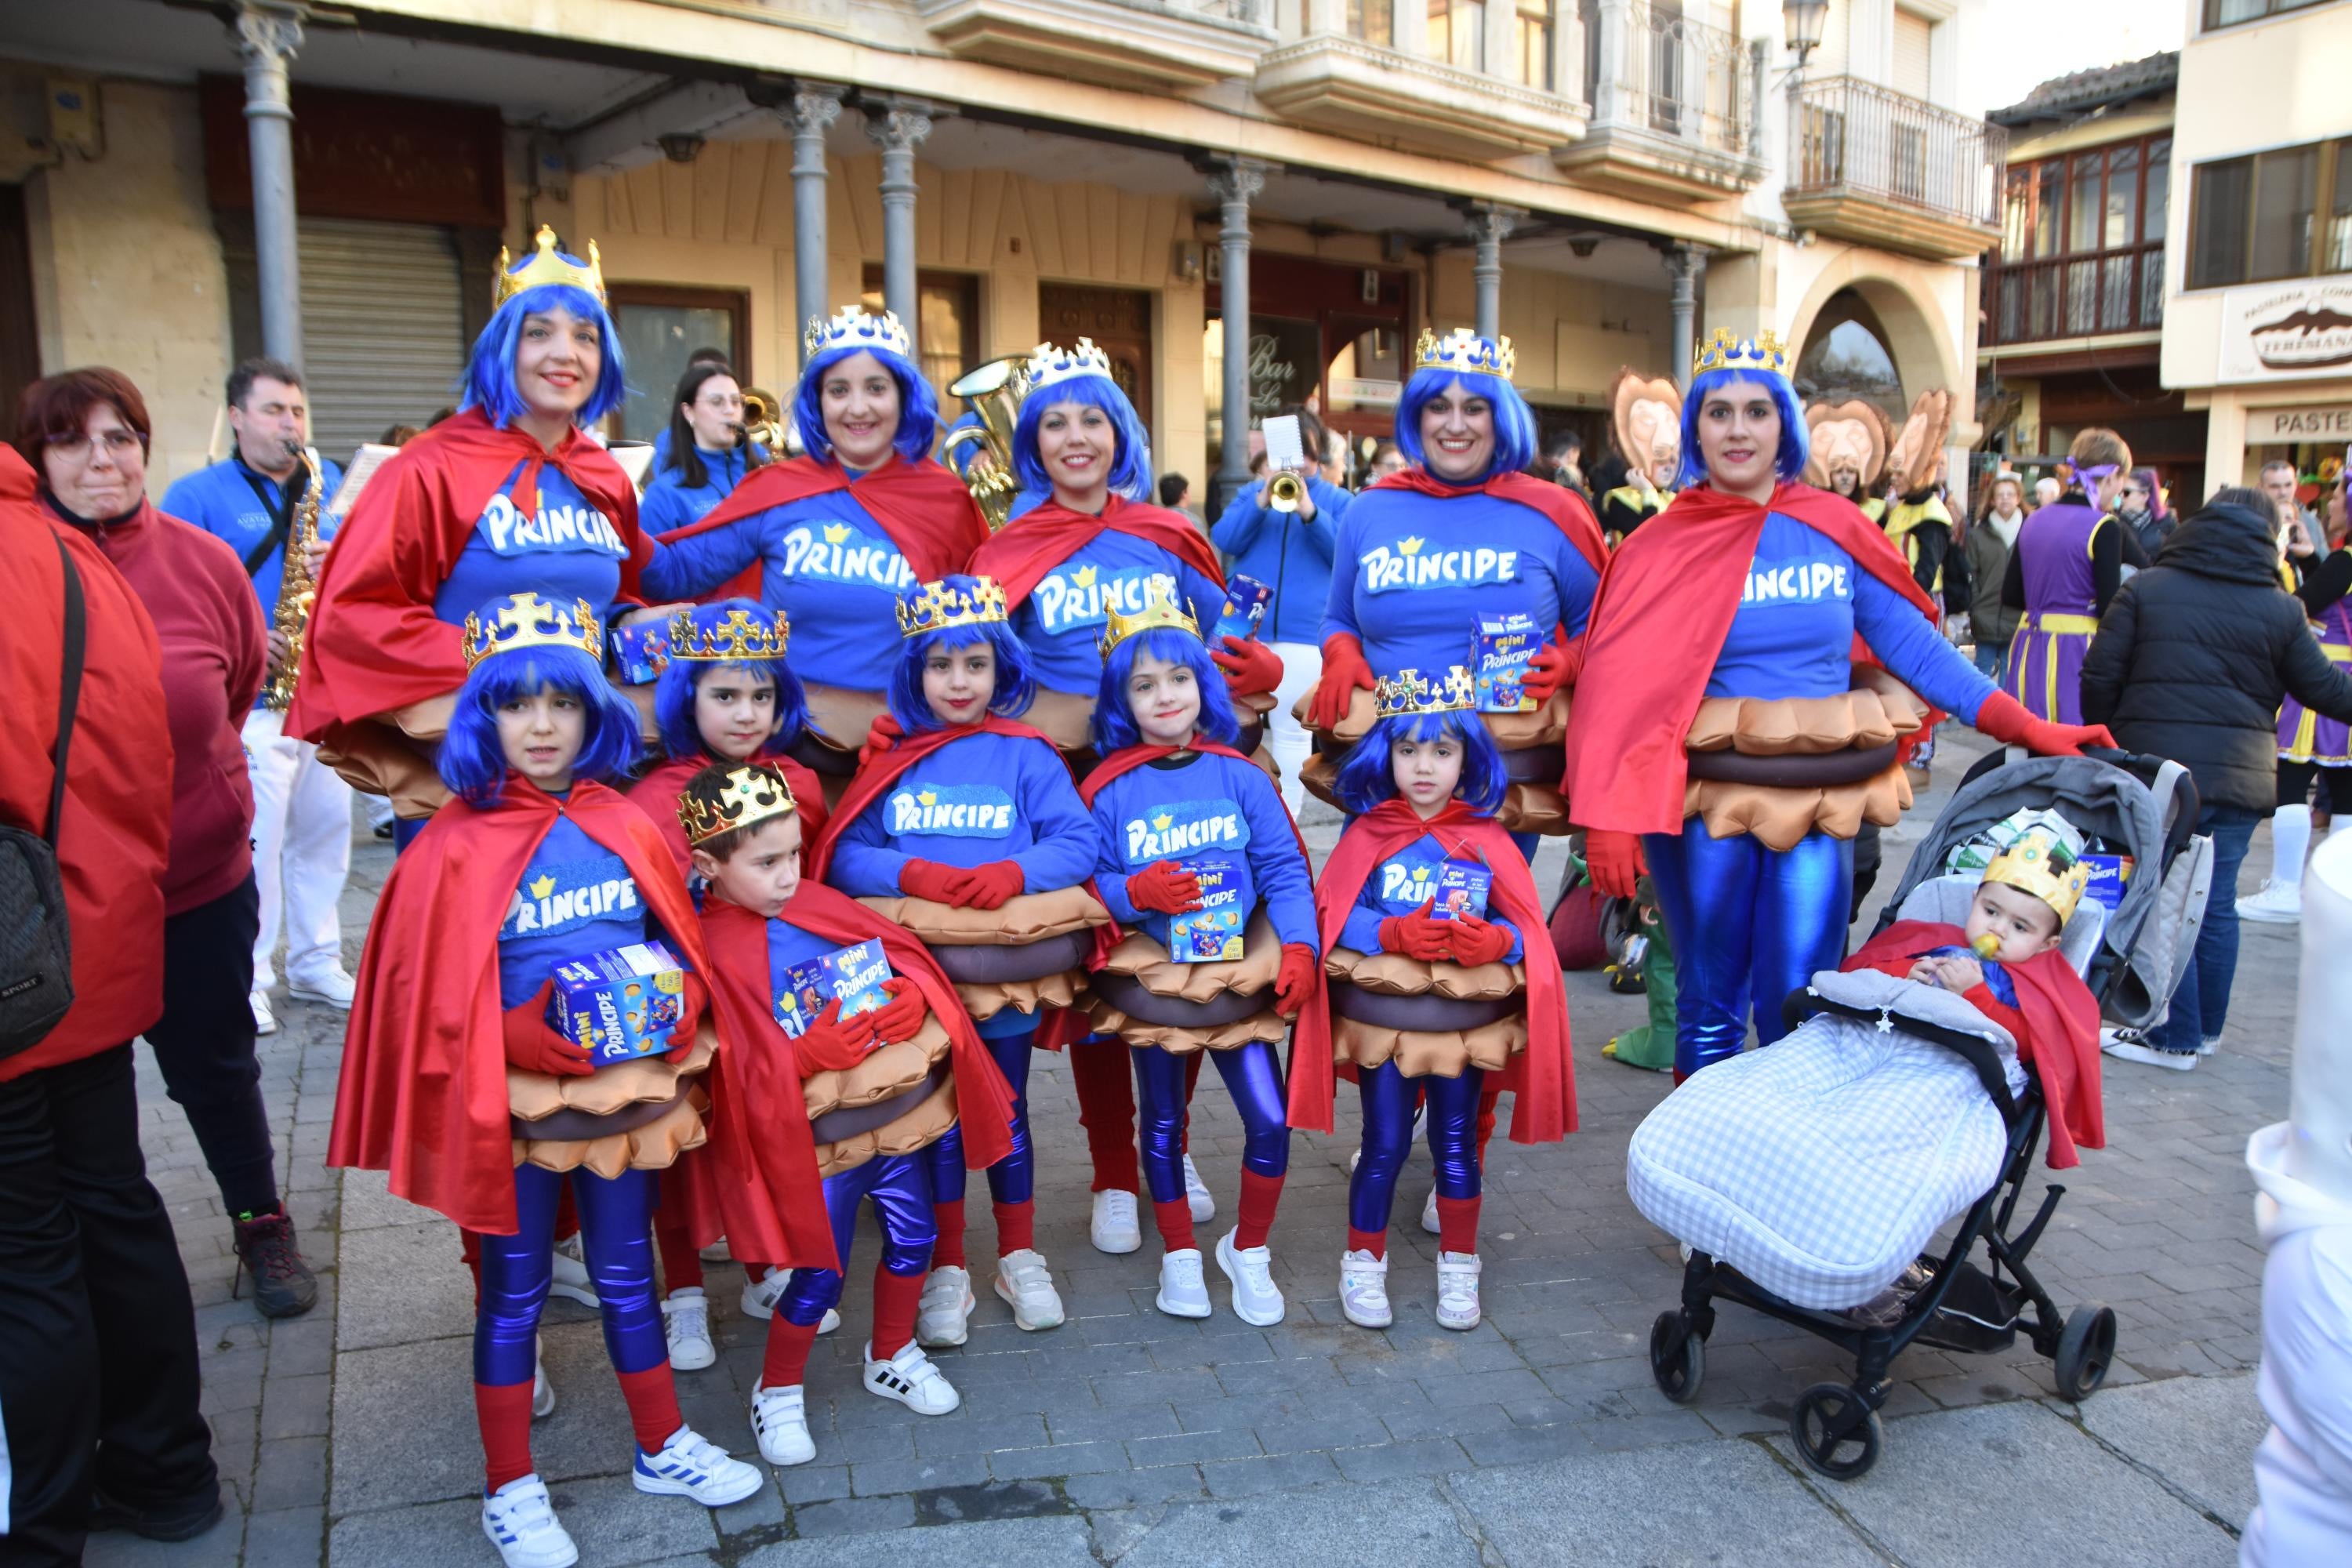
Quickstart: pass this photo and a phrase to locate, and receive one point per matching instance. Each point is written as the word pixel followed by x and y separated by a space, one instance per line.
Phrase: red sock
pixel 1457 1224
pixel 1017 1226
pixel 1191 1082
pixel 785 1365
pixel 1375 1242
pixel 895 1297
pixel 1487 1103
pixel 1106 1086
pixel 567 1213
pixel 681 1264
pixel 653 1406
pixel 1260 1197
pixel 755 1272
pixel 1175 1221
pixel 503 1413
pixel 947 1252
pixel 1679 1077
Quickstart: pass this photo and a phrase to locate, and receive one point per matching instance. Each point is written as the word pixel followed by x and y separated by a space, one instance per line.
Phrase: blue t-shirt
pixel 575 898
pixel 1288 553
pixel 827 564
pixel 567 551
pixel 1996 974
pixel 235 503
pixel 1793 635
pixel 670 503
pixel 980 799
pixel 1062 619
pixel 1198 808
pixel 788 944
pixel 1414 574
pixel 1400 885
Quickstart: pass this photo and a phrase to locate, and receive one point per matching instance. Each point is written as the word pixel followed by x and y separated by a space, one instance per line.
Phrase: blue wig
pixel 1130 471
pixel 1515 423
pixel 489 382
pixel 1796 441
pixel 1366 779
pixel 472 762
pixel 1016 686
pixel 674 692
pixel 1114 721
pixel 919 406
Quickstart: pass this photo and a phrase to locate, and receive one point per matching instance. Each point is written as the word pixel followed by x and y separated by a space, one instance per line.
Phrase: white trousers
pixel 1285 737
pixel 301 849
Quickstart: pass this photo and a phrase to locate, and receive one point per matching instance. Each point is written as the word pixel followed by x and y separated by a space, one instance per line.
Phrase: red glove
pixel 882 735
pixel 1615 860
pixel 2005 719
pixel 1548 670
pixel 929 880
pixel 988 887
pixel 1344 671
pixel 1416 935
pixel 899 1018
pixel 1166 886
pixel 834 1044
pixel 532 1044
pixel 1251 668
pixel 1477 941
pixel 689 1019
pixel 1296 980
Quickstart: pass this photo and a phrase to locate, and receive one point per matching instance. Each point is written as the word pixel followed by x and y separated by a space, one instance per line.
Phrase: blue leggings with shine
pixel 1014 1179
pixel 900 1186
pixel 1749 925
pixel 1253 1076
pixel 616 1218
pixel 1390 1098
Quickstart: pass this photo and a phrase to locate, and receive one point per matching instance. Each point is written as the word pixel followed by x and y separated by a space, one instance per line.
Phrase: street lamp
pixel 1804 19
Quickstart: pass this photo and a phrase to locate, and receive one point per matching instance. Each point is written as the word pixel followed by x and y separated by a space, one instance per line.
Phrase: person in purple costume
pixel 2068 562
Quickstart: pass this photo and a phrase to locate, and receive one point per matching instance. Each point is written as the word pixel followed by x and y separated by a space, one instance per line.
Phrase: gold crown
pixel 1048 364
pixel 854 327
pixel 1464 351
pixel 713 636
pixel 548 265
pixel 1160 609
pixel 936 606
pixel 2040 865
pixel 526 620
pixel 1725 351
pixel 751 795
pixel 1409 691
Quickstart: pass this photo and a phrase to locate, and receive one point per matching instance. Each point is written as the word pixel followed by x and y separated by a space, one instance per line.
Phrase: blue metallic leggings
pixel 1014 1179
pixel 1390 1098
pixel 1253 1076
pixel 615 1217
pixel 900 1186
pixel 1748 925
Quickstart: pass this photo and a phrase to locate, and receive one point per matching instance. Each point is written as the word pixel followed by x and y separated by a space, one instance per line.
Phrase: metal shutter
pixel 383 331
pixel 1914 50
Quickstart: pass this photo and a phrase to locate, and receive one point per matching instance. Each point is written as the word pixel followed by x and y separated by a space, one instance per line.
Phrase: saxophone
pixel 296 588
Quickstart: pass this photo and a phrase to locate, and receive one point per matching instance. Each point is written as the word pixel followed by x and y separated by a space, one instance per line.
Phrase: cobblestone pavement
pixel 1128 1436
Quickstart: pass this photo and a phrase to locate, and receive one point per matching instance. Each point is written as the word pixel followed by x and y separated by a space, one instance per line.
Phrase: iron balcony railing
pixel 1647 66
pixel 1857 138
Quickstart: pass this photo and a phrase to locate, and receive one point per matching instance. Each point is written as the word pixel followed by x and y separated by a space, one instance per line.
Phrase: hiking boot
pixel 283 1285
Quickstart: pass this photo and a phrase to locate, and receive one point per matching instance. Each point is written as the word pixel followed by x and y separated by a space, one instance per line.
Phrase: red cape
pixel 374 644
pixel 925 509
pixel 1564 507
pixel 878 771
pixel 1543 1077
pixel 2061 1021
pixel 1035 542
pixel 1659 618
pixel 658 793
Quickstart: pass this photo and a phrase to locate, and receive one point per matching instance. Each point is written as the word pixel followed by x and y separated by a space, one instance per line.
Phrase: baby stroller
pixel 1825 1164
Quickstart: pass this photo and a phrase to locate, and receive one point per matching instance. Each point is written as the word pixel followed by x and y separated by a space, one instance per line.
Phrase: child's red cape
pixel 1664 605
pixel 878 770
pixel 1035 542
pixel 739 981
pixel 926 511
pixel 1542 1077
pixel 2061 1021
pixel 656 795
pixel 374 644
pixel 1564 507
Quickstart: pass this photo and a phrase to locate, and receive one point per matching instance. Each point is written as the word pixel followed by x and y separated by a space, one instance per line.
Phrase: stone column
pixel 812 112
pixel 1234 181
pixel 1686 265
pixel 1490 224
pixel 268 34
pixel 899 126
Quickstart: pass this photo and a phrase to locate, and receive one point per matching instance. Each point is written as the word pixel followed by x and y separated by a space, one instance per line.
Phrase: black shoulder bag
pixel 36 944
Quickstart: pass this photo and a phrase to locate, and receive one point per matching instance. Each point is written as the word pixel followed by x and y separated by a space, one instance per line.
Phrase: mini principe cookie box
pixel 621 1003
pixel 853 974
pixel 1212 933
pixel 1461 891
pixel 1245 603
pixel 1506 645
pixel 640 652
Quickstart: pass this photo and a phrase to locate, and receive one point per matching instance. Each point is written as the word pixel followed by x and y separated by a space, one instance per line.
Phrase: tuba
pixel 994 390
pixel 296 588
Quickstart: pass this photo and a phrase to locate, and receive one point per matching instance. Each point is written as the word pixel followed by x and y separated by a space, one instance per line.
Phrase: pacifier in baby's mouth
pixel 1986 946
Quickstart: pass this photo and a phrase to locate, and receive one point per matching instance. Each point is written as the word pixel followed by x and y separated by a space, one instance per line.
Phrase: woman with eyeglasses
pixel 705 458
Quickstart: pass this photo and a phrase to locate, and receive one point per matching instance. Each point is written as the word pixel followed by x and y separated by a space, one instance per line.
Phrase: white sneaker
pixel 689 1467
pixel 265 1022
pixel 1183 1294
pixel 909 1378
pixel 2209 1045
pixel 1429 1214
pixel 1364 1289
pixel 1114 1228
pixel 1257 1299
pixel 571 1280
pixel 2148 1055
pixel 543 1392
pixel 521 1523
pixel 1026 1285
pixel 1457 1290
pixel 686 1319
pixel 2278 904
pixel 761 1296
pixel 940 1318
pixel 780 1426
pixel 1197 1194
pixel 334 988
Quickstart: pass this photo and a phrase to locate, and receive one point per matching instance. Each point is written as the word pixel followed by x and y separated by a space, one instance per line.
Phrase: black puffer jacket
pixel 2194 654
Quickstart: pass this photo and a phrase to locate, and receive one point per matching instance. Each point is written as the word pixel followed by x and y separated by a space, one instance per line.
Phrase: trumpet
pixel 1284 490
pixel 763 424
pixel 994 391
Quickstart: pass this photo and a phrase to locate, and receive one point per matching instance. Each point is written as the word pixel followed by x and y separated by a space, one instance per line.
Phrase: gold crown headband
pixel 752 793
pixel 1465 352
pixel 736 637
pixel 1160 609
pixel 936 606
pixel 547 264
pixel 2040 865
pixel 1726 351
pixel 526 620
pixel 1410 692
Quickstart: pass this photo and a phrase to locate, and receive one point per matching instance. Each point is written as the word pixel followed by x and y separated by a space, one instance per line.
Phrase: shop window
pixel 2270 215
pixel 660 329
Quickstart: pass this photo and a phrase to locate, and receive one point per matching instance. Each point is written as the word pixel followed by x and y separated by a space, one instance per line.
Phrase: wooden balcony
pixel 1880 168
pixel 1169 46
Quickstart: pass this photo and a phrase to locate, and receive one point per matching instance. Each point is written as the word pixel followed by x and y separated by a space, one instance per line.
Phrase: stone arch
pixel 1912 329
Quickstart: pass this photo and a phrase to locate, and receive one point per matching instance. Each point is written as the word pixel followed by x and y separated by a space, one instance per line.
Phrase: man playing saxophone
pixel 258 498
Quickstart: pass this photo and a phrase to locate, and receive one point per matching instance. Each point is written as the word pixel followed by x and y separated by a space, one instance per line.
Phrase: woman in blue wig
pixel 1728 625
